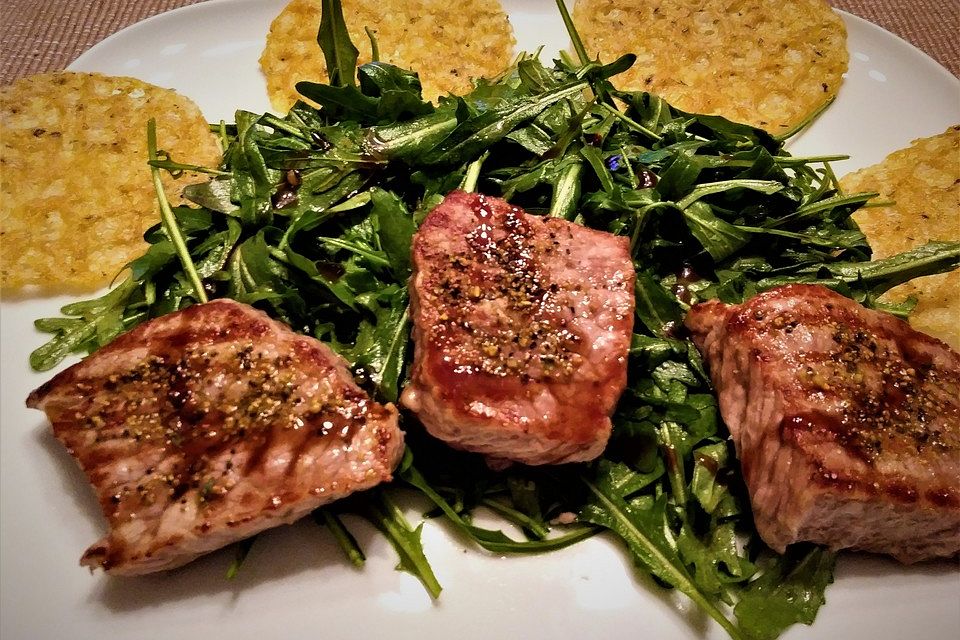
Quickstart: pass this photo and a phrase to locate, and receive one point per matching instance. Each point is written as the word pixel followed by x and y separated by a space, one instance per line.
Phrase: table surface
pixel 46 35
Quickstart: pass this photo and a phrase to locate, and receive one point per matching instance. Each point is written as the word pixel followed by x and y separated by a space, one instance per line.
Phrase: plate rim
pixel 81 60
pixel 215 3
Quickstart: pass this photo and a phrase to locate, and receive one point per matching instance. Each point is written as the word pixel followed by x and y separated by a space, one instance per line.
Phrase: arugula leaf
pixel 715 558
pixel 384 514
pixel 347 543
pixel 877 276
pixel 396 229
pixel 475 134
pixel 705 484
pixel 381 343
pixel 240 556
pixel 343 101
pixel 644 533
pixel 214 195
pixel 790 589
pixel 411 139
pixel 720 238
pixel 490 540
pixel 101 318
pixel 656 309
pixel 338 51
pixel 169 221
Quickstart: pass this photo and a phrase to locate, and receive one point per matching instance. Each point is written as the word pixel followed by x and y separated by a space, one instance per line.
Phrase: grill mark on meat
pixel 210 424
pixel 816 429
pixel 502 276
pixel 509 326
pixel 891 414
pixel 836 409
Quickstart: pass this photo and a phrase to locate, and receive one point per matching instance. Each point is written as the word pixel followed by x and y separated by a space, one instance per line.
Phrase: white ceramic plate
pixel 295 583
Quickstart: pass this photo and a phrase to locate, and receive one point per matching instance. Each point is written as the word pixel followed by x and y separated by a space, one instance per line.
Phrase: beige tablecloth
pixel 45 35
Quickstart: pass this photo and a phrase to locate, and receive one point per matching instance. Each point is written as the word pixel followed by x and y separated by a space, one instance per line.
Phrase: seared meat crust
pixel 522 327
pixel 846 421
pixel 208 425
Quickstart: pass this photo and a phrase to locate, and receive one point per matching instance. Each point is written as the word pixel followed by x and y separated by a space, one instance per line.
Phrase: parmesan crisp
pixel 764 63
pixel 447 42
pixel 75 189
pixel 923 182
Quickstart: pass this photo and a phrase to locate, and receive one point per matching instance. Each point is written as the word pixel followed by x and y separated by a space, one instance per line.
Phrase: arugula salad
pixel 310 218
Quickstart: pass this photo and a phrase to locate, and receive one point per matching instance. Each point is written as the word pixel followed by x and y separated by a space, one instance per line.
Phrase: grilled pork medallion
pixel 846 421
pixel 522 326
pixel 208 425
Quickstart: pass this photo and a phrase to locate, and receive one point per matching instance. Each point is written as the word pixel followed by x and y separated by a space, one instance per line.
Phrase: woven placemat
pixel 930 25
pixel 46 35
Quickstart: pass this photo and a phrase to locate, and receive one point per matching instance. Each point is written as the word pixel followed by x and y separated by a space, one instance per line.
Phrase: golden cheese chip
pixel 448 42
pixel 76 190
pixel 764 63
pixel 923 181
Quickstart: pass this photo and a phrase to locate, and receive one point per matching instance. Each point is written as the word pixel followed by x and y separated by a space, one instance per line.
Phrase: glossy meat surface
pixel 522 326
pixel 846 421
pixel 205 426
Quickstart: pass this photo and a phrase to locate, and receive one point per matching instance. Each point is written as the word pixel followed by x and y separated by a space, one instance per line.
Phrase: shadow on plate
pixel 869 565
pixel 277 553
